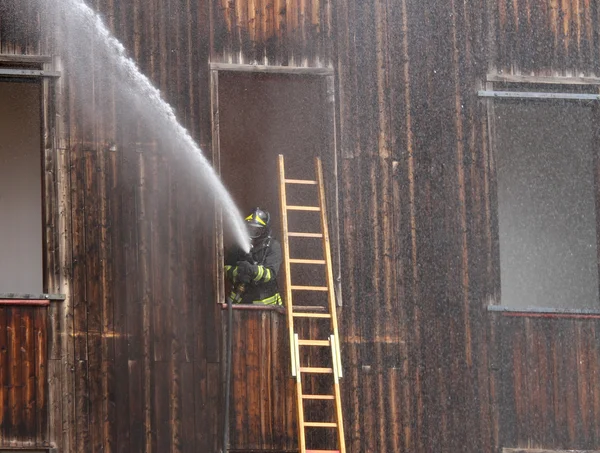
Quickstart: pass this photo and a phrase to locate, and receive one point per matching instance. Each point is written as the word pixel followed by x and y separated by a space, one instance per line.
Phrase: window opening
pixel 547 181
pixel 262 116
pixel 21 265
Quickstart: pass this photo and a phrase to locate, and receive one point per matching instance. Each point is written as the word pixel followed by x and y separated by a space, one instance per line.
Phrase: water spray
pixel 156 110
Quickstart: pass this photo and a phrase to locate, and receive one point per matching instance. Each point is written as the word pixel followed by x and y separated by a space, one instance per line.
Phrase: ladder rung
pixel 309 288
pixel 311 315
pixel 313 342
pixel 305 235
pixel 320 424
pixel 303 208
pixel 305 308
pixel 306 261
pixel 300 181
pixel 318 397
pixel 322 451
pixel 315 370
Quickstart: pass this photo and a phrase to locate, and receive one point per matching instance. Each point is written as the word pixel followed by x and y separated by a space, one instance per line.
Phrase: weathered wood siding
pixel 545 37
pixel 134 350
pixel 420 259
pixel 272 32
pixel 415 219
pixel 135 358
pixel 25 365
pixel 139 367
pixel 146 371
pixel 145 340
pixel 23 376
pixel 21 25
pixel 262 415
pixel 546 382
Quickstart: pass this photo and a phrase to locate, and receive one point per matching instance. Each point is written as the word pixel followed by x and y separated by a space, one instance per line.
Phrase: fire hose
pixel 237 295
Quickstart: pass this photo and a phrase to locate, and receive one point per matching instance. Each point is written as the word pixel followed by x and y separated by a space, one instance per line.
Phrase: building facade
pixel 460 145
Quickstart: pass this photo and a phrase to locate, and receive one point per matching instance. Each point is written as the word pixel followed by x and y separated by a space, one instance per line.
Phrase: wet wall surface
pixel 134 353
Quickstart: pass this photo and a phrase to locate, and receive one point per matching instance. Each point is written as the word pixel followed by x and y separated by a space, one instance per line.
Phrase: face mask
pixel 254 231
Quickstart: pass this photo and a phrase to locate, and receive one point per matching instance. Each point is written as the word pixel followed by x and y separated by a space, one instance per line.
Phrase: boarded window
pixel 20 189
pixel 547 204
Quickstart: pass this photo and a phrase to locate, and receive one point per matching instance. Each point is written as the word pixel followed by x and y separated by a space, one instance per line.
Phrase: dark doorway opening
pixel 264 115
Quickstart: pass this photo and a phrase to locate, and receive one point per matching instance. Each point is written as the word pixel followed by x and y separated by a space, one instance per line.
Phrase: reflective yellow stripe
pixel 267 276
pixel 273 300
pixel 255 217
pixel 235 273
pixel 259 273
pixel 235 297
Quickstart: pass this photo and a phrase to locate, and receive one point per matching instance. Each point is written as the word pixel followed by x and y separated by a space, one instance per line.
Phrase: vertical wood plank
pixel 4 375
pixel 41 374
pixel 16 381
pixel 27 360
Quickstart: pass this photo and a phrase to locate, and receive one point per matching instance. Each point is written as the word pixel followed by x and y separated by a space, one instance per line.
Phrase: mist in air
pixel 142 100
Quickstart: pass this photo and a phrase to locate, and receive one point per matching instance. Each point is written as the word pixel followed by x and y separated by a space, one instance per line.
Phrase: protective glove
pixel 246 271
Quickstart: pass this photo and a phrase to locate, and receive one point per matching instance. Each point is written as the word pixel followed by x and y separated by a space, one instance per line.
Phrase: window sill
pixel 256 307
pixel 40 300
pixel 541 312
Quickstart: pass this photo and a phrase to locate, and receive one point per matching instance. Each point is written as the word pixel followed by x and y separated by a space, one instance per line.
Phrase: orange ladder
pixel 297 314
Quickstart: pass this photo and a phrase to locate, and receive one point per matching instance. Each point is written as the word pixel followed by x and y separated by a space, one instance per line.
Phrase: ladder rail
pixel 286 261
pixel 327 256
pixel 337 366
pixel 299 394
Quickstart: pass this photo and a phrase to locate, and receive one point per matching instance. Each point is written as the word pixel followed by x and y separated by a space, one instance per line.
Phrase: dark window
pixel 21 268
pixel 547 195
pixel 262 116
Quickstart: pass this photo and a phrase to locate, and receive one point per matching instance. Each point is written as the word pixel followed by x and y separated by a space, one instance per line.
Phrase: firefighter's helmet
pixel 258 224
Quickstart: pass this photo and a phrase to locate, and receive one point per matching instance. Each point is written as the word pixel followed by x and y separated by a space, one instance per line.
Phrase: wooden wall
pixel 23 376
pixel 146 354
pixel 272 32
pixel 545 37
pixel 262 415
pixel 417 258
pixel 134 350
pixel 135 353
pixel 25 366
pixel 545 381
pixel 21 26
pixel 421 260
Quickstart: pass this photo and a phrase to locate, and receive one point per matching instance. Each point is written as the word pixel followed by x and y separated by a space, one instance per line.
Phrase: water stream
pixel 145 101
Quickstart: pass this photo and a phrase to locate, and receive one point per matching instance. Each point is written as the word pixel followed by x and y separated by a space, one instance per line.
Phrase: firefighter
pixel 254 275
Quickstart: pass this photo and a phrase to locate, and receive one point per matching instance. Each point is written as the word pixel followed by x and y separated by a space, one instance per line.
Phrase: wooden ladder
pixel 303 314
